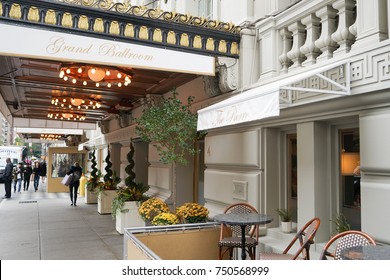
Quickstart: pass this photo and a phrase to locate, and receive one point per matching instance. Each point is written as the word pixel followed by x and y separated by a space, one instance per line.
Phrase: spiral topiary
pixel 129 181
pixel 93 160
pixel 108 175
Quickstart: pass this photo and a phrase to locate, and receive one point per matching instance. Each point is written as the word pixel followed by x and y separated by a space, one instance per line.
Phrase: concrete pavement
pixel 43 226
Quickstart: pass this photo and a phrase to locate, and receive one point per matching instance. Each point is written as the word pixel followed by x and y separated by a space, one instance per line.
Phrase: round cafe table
pixel 243 220
pixel 377 252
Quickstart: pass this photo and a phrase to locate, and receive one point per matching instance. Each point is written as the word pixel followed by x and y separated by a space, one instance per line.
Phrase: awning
pixel 263 101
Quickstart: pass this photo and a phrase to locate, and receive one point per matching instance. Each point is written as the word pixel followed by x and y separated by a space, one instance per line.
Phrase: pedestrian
pixel 27 171
pixel 8 178
pixel 76 170
pixel 18 176
pixel 36 171
pixel 43 171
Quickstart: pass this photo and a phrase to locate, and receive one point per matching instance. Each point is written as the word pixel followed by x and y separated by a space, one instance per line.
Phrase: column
pixel 343 35
pixel 375 29
pixel 247 58
pixel 375 174
pixel 328 25
pixel 313 187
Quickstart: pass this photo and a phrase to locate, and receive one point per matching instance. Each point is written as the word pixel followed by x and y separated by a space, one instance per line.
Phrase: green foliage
pixel 108 175
pixel 341 223
pixel 284 215
pixel 132 191
pixel 171 128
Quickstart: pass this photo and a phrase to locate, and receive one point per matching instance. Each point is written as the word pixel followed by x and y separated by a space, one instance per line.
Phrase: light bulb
pixel 97 84
pixel 62 73
pixel 67 71
pixel 65 78
pixel 108 73
pixel 119 84
pixel 119 75
pixel 85 83
pixel 80 70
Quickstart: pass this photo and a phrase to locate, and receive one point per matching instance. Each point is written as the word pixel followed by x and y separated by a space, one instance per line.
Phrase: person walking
pixel 8 178
pixel 27 171
pixel 18 176
pixel 76 170
pixel 43 171
pixel 36 171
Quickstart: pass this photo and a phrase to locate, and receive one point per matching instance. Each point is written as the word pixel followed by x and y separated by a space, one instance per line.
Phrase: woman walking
pixel 76 170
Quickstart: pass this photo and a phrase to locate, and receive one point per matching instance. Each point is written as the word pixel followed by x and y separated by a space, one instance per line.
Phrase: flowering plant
pixel 94 181
pixel 151 208
pixel 163 219
pixel 192 212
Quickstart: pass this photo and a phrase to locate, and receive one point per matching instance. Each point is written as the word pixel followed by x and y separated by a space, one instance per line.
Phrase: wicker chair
pixel 346 239
pixel 230 235
pixel 305 237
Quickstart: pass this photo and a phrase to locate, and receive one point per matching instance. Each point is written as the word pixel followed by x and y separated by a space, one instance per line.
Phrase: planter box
pixel 286 227
pixel 90 197
pixel 128 219
pixel 105 201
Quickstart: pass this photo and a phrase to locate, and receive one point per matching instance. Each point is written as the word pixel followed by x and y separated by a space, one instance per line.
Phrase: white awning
pixel 263 101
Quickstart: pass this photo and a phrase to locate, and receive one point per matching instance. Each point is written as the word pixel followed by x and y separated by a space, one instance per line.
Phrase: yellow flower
pixel 151 208
pixel 163 219
pixel 192 212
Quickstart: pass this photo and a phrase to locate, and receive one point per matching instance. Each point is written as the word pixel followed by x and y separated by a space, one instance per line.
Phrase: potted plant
pixel 286 219
pixel 106 189
pixel 92 182
pixel 164 219
pixel 171 127
pixel 125 203
pixel 192 213
pixel 341 223
pixel 151 208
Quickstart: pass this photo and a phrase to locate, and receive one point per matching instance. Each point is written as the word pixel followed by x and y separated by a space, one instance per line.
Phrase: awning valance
pixel 263 101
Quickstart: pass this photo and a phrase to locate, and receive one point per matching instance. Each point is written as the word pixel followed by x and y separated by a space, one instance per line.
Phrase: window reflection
pixel 61 163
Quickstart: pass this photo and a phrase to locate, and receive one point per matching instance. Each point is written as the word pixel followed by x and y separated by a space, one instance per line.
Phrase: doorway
pixel 350 176
pixel 292 173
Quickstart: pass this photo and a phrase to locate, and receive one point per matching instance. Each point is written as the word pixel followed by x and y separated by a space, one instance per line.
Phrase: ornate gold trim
pixel 83 22
pixel 15 12
pixel 171 38
pixel 157 35
pixel 50 17
pixel 143 33
pixel 234 48
pixel 184 41
pixel 222 47
pixel 197 44
pixel 114 28
pixel 142 11
pixel 33 14
pixel 67 20
pixel 98 26
pixel 129 30
pixel 210 44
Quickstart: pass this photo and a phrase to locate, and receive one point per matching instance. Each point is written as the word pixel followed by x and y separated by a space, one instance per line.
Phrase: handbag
pixel 67 180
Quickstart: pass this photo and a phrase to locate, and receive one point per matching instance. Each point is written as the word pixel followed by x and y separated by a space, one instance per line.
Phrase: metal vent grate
pixel 28 201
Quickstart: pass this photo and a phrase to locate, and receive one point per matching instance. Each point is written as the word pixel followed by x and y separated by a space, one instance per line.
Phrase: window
pixel 61 163
pixel 205 9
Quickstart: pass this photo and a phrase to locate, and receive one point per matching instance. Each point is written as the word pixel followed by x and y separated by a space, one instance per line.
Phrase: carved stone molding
pixel 228 73
pixel 211 85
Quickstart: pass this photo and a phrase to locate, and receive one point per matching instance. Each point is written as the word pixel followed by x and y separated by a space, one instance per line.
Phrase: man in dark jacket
pixel 8 178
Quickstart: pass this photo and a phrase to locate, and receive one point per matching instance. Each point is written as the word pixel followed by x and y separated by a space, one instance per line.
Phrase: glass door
pixel 350 176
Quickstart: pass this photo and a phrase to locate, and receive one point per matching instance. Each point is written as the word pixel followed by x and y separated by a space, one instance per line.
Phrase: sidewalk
pixel 43 226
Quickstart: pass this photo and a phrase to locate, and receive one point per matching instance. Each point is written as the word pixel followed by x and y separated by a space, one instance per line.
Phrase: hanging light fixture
pixel 50 137
pixel 98 76
pixel 70 116
pixel 75 103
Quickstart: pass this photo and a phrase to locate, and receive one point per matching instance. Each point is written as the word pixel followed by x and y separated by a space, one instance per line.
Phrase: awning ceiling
pixel 263 101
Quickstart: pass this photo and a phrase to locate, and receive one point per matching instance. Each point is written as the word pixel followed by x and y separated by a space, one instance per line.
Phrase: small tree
pixel 132 191
pixel 171 127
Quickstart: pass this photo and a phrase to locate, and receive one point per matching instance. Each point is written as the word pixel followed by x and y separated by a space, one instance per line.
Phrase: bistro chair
pixel 344 240
pixel 230 235
pixel 305 237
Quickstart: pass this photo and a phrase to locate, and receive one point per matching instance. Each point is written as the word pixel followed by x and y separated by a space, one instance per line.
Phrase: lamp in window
pixel 98 76
pixel 349 162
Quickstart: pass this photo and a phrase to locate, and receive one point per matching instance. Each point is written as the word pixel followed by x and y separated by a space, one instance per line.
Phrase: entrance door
pixel 292 182
pixel 350 176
